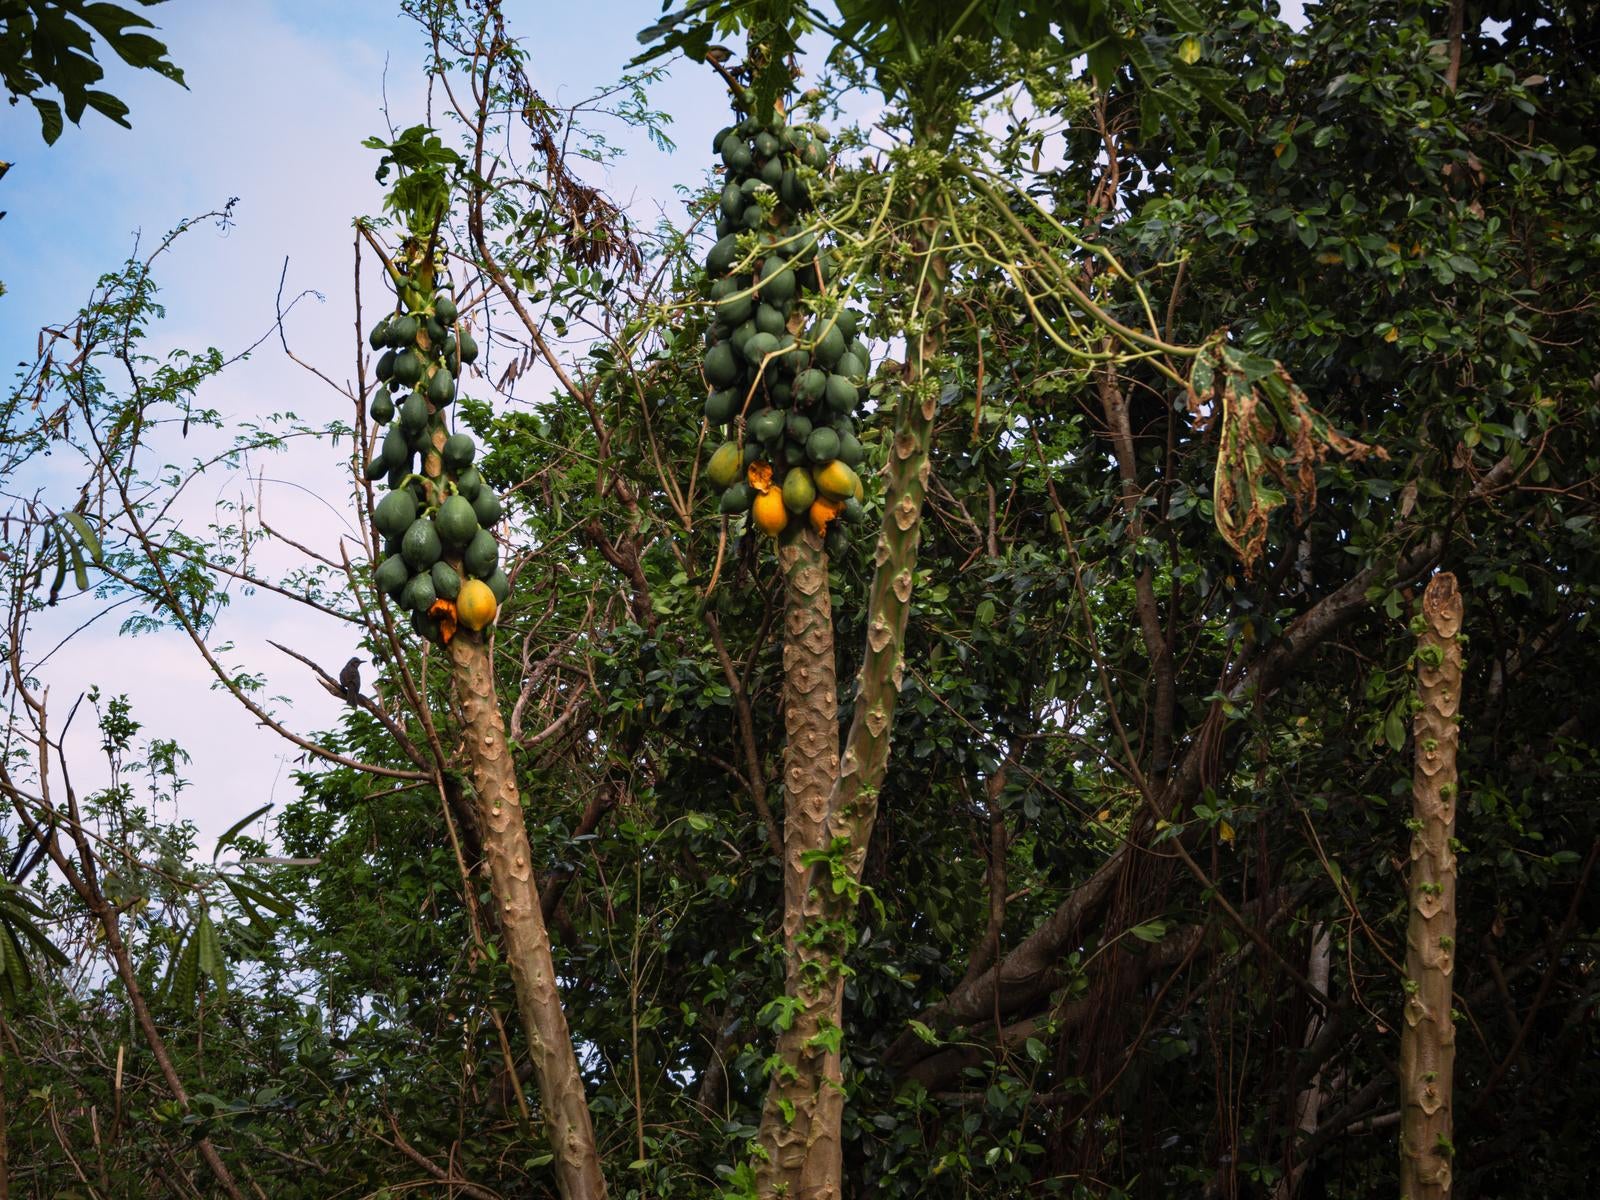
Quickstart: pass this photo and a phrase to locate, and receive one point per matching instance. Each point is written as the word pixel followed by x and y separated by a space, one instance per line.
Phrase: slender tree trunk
pixel 527 943
pixel 1428 1034
pixel 798 1132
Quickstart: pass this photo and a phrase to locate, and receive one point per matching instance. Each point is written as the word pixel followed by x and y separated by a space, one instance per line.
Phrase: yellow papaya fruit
pixel 770 513
pixel 838 481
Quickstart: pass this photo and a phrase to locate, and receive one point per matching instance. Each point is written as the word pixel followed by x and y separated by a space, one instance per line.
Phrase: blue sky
pixel 280 95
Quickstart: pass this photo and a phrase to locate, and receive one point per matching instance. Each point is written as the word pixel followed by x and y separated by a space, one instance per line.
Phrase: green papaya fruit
pixel 798 490
pixel 469 348
pixel 414 414
pixel 837 542
pixel 392 575
pixel 851 452
pixel 441 388
pixel 737 498
pixel 379 337
pixel 395 513
pixel 720 406
pixel 722 256
pixel 377 467
pixel 457 521
pixel 759 346
pixel 385 366
pixel 426 627
pixel 407 368
pixel 445 309
pixel 814 383
pixel 434 330
pixel 396 451
pixel 769 320
pixel 830 346
pixel 725 465
pixel 419 594
pixel 469 483
pixel 823 445
pixel 421 548
pixel 382 408
pixel 777 281
pixel 735 153
pixel 403 332
pixel 458 451
pixel 732 201
pixel 772 172
pixel 841 394
pixel 767 145
pixel 446 583
pixel 767 424
pixel 500 586
pixel 486 507
pixel 482 555
pixel 753 218
pixel 798 426
pixel 736 309
pixel 721 368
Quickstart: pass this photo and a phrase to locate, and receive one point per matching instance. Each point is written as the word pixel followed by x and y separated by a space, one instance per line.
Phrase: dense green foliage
pixel 1136 782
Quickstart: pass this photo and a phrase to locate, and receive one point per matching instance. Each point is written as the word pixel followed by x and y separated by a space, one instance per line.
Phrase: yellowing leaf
pixel 1189 50
pixel 1225 831
pixel 1392 335
pixel 1330 259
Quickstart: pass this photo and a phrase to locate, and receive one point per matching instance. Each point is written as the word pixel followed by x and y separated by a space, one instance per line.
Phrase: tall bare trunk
pixel 527 944
pixel 1428 1035
pixel 798 1140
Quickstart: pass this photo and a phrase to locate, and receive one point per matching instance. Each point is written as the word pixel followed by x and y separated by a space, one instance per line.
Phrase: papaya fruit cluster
pixel 442 563
pixel 784 364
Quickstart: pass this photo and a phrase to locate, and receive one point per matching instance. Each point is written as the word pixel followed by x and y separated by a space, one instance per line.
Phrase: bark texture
pixel 1428 1034
pixel 792 1133
pixel 527 943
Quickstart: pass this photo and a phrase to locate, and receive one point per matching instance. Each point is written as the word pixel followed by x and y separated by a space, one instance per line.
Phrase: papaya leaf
pixel 1269 435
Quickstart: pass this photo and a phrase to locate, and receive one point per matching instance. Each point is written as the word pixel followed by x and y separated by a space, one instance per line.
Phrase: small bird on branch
pixel 350 680
pixel 349 686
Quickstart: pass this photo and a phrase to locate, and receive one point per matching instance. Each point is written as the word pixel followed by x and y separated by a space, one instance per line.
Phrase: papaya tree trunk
pixel 527 944
pixel 801 1121
pixel 810 768
pixel 1428 1034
